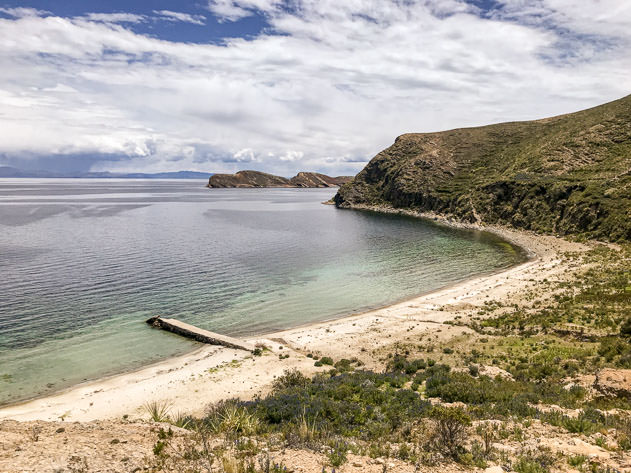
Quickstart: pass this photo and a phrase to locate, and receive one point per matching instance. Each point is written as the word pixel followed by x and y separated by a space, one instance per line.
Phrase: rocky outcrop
pixel 569 174
pixel 248 179
pixel 262 179
pixel 613 383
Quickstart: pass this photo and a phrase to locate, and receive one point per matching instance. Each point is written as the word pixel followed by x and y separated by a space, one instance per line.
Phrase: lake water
pixel 85 262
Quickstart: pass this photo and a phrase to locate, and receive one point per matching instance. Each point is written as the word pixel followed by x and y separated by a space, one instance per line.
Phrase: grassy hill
pixel 569 174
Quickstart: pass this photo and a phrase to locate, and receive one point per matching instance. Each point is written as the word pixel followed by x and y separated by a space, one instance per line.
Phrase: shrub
pixel 451 429
pixel 534 462
pixel 359 403
pixel 454 387
pixel 431 371
pixel 526 465
pixel 397 363
pixel 290 378
pixel 578 425
pixel 182 420
pixel 337 453
pixel 401 364
pixel 343 365
pixel 577 460
pixel 612 347
pixel 232 418
pixel 326 360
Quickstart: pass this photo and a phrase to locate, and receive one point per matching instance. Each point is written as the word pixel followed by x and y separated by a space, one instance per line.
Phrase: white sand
pixel 211 373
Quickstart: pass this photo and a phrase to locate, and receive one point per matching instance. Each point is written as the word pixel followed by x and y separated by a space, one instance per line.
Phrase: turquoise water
pixel 85 262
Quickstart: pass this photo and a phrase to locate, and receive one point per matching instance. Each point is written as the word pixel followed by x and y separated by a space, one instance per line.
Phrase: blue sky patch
pixel 214 30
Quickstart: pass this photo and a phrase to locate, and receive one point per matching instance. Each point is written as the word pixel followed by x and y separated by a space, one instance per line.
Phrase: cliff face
pixel 569 174
pixel 261 179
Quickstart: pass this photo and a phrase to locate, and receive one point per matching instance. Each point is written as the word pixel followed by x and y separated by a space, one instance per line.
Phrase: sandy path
pixel 211 373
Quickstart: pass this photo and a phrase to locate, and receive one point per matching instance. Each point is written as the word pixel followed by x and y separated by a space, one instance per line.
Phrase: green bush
pixel 326 360
pixel 526 465
pixel 360 403
pixel 232 418
pixel 337 453
pixel 401 364
pixel 451 430
pixel 290 378
pixel 578 425
pixel 343 365
pixel 497 395
pixel 534 462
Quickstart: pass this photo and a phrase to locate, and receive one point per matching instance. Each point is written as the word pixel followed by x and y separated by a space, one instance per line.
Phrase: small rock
pixel 494 469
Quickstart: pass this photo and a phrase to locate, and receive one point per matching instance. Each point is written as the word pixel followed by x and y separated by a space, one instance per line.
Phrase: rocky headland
pixel 569 174
pixel 262 179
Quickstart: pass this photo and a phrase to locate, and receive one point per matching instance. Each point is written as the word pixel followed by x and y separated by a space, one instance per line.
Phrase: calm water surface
pixel 85 262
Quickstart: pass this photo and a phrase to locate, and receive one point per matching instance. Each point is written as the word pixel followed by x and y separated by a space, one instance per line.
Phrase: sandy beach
pixel 190 382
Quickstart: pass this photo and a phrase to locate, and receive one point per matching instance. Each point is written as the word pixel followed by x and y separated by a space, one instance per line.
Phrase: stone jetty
pixel 198 334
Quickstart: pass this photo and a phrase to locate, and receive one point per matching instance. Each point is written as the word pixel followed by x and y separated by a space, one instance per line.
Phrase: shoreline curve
pixel 181 378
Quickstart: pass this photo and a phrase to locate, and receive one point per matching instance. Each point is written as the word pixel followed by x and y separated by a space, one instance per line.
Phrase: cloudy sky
pixel 288 85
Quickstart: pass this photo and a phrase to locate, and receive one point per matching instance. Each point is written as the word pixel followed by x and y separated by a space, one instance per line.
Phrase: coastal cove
pixel 210 374
pixel 355 262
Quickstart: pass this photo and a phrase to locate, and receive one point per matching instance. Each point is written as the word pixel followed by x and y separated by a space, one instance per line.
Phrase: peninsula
pixel 262 179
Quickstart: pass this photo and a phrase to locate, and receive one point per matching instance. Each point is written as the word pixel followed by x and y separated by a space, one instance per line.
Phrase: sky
pixel 288 85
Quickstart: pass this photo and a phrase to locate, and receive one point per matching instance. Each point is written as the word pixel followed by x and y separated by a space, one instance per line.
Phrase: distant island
pixel 8 171
pixel 567 175
pixel 262 179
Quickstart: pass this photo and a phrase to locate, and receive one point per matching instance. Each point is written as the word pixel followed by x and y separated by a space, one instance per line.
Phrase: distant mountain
pixel 569 174
pixel 7 171
pixel 262 179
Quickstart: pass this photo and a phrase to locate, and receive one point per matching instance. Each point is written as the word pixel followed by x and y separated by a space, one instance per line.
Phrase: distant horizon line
pixel 13 172
pixel 19 173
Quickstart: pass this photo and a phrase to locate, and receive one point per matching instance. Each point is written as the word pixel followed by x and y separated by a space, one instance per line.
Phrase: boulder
pixel 613 383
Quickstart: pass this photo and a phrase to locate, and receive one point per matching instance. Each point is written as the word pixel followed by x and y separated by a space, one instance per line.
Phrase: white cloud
pixel 116 17
pixel 232 10
pixel 179 16
pixel 339 84
pixel 228 10
pixel 21 12
pixel 596 17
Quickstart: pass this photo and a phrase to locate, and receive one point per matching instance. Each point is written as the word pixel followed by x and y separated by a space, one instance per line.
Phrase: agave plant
pixel 158 410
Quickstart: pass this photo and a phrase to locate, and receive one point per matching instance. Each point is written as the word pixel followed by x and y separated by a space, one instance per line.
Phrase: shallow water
pixel 85 262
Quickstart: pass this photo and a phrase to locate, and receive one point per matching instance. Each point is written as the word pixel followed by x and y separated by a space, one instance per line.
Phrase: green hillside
pixel 569 174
